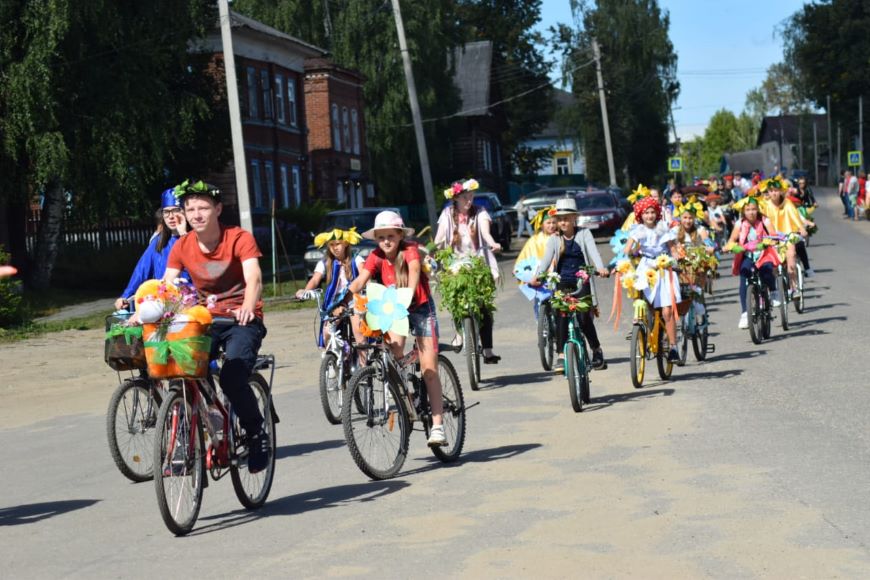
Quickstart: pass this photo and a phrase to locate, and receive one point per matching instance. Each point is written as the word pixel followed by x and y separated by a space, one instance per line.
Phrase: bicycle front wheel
pixel 683 336
pixel 179 460
pixel 799 295
pixel 638 355
pixel 665 366
pixel 783 300
pixel 756 315
pixel 377 432
pixel 130 425
pixel 546 336
pixel 454 412
pixel 701 338
pixel 578 377
pixel 472 351
pixel 252 489
pixel 330 389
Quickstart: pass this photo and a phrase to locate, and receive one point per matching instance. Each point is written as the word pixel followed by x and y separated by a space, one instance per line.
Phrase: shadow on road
pixel 476 456
pixel 792 334
pixel 307 448
pixel 802 323
pixel 487 384
pixel 737 355
pixel 304 502
pixel 599 403
pixel 36 512
pixel 726 374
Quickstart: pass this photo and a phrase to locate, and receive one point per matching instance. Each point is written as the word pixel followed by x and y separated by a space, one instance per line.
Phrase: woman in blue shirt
pixel 152 264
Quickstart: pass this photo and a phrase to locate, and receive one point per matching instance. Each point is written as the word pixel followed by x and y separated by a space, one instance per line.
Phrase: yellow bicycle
pixel 648 340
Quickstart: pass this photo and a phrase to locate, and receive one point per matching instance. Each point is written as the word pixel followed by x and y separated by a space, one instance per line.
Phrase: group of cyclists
pixel 222 262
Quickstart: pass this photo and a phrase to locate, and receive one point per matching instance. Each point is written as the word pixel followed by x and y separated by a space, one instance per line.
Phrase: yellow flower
pixel 652 277
pixel 629 280
pixel 639 193
pixel 663 262
pixel 624 267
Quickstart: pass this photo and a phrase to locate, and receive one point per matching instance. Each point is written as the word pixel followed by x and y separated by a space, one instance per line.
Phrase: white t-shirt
pixel 320 268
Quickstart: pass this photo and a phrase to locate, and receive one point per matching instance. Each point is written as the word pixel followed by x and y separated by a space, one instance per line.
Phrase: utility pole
pixel 861 128
pixel 830 146
pixel 415 113
pixel 800 142
pixel 239 162
pixel 610 166
pixel 816 153
pixel 838 150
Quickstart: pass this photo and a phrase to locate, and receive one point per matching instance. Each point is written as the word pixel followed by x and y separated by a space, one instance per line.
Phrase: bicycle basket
pixel 177 349
pixel 124 349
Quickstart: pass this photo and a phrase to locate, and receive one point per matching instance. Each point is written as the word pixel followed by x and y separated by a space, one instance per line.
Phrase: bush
pixel 306 217
pixel 12 311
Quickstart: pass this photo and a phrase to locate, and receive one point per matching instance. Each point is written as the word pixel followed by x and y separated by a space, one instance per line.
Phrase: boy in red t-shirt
pixel 384 265
pixel 223 261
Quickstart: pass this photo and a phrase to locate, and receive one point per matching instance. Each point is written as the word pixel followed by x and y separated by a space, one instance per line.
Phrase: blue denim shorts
pixel 423 320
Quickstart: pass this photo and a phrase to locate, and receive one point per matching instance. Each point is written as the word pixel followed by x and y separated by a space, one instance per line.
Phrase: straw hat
pixel 387 220
pixel 566 206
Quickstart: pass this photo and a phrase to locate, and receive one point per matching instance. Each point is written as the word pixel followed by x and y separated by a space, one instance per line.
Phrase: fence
pixel 111 233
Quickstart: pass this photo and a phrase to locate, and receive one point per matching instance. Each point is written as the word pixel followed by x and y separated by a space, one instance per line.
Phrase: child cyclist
pixel 339 268
pixel 649 239
pixel 545 227
pixel 751 254
pixel 573 249
pixel 397 262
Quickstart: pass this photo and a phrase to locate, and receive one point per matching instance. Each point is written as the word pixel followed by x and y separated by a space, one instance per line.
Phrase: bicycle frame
pixel 652 328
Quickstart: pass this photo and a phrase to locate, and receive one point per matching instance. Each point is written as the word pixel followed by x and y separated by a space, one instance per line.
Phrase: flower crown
pixel 751 198
pixel 641 192
pixel 459 187
pixel 779 183
pixel 197 188
pixel 692 206
pixel 350 236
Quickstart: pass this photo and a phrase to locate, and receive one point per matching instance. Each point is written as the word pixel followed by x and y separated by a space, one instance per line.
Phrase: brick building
pixel 336 143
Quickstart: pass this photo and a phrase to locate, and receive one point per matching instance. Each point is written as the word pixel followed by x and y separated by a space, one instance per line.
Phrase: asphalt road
pixel 752 464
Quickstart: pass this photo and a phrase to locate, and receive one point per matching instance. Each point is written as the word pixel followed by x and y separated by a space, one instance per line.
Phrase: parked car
pixel 502 223
pixel 344 219
pixel 548 196
pixel 600 211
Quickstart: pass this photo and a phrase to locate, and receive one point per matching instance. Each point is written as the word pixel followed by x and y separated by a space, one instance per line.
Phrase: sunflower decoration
pixel 624 267
pixel 543 214
pixel 641 192
pixel 692 206
pixel 749 199
pixel 652 278
pixel 350 236
pixel 629 280
pixel 664 261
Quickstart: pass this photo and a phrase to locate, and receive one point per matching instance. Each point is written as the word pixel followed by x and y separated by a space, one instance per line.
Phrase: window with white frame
pixel 336 128
pixel 297 184
pixel 339 192
pixel 253 98
pixel 266 88
pixel 279 99
pixel 354 126
pixel 256 184
pixel 285 186
pixel 487 155
pixel 291 102
pixel 345 128
pixel 270 182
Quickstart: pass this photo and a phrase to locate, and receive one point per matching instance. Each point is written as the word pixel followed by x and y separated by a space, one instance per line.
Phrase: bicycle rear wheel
pixel 472 351
pixel 252 489
pixel 377 434
pixel 665 366
pixel 767 313
pixel 454 412
pixel 783 284
pixel 756 315
pixel 701 338
pixel 638 355
pixel 799 295
pixel 683 336
pixel 546 338
pixel 130 425
pixel 179 462
pixel 330 389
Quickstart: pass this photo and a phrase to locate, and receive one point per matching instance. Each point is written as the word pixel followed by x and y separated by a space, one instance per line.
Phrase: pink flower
pixel 583 275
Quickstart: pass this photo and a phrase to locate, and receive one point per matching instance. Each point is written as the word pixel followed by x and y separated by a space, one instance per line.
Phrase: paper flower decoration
pixel 525 269
pixel 387 308
pixel 639 193
pixel 624 267
pixel 350 236
pixel 461 186
pixel 652 278
pixel 692 206
pixel 664 261
pixel 629 280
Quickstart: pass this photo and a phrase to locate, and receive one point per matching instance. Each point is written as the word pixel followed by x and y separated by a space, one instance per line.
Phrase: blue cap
pixel 167 198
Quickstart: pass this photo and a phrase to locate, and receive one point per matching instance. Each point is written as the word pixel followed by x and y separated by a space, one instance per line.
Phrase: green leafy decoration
pixel 465 285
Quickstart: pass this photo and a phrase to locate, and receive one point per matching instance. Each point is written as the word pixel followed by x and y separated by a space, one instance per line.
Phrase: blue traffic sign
pixel 675 164
pixel 855 159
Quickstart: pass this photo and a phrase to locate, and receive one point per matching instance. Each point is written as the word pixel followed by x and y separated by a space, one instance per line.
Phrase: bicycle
pixel 390 396
pixel 648 340
pixel 759 308
pixel 577 360
pixel 339 360
pixel 192 409
pixel 691 328
pixel 132 411
pixel 546 335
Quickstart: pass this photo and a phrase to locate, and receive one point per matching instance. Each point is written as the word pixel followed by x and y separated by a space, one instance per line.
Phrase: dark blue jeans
pixel 241 345
pixel 746 269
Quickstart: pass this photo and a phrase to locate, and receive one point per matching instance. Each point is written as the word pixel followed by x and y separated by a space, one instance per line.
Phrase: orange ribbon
pixel 616 308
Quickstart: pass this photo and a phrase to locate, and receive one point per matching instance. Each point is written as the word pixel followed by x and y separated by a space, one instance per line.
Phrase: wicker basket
pixel 124 349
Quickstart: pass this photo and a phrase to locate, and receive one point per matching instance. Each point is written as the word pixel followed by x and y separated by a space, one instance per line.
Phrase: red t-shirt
pixel 383 270
pixel 862 183
pixel 218 272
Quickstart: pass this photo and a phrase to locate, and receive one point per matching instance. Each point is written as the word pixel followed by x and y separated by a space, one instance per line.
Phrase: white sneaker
pixel 775 299
pixel 456 342
pixel 436 436
pixel 744 321
pixel 809 273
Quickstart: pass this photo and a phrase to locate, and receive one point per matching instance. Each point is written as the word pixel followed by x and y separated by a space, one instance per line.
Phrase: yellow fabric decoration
pixel 538 220
pixel 641 192
pixel 350 236
pixel 692 206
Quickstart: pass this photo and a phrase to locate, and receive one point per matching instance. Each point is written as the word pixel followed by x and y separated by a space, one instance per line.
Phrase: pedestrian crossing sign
pixel 855 159
pixel 675 164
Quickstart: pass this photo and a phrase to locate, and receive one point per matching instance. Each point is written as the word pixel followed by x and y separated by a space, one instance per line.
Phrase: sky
pixel 723 49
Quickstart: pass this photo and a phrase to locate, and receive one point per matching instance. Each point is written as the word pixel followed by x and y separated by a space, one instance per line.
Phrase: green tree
pixel 96 99
pixel 639 68
pixel 778 93
pixel 363 37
